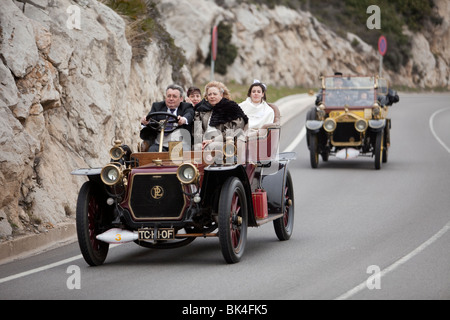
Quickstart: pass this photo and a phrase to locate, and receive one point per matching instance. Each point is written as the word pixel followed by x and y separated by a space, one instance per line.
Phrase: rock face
pixel 67 89
pixel 286 47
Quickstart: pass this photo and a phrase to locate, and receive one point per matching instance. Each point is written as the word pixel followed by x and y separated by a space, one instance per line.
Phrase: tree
pixel 226 51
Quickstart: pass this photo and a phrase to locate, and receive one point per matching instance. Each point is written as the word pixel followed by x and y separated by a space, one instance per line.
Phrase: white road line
pixel 434 132
pixel 296 141
pixel 46 267
pixel 49 266
pixel 396 264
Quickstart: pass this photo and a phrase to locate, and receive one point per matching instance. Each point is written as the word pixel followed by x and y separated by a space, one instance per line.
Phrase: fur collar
pixel 223 112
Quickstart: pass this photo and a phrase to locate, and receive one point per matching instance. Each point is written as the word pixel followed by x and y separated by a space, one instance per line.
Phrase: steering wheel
pixel 159 121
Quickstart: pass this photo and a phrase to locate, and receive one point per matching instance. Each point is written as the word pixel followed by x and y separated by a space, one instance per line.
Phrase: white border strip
pixel 49 266
pixel 46 267
pixel 396 264
pixel 434 132
pixel 296 141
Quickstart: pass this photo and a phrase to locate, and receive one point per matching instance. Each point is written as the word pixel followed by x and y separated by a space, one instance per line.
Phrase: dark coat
pixel 184 110
pixel 225 115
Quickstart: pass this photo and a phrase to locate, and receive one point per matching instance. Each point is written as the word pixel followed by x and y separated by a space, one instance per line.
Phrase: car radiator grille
pixel 156 197
pixel 345 132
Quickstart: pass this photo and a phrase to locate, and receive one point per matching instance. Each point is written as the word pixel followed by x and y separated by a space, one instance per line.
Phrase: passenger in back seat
pixel 217 115
pixel 256 108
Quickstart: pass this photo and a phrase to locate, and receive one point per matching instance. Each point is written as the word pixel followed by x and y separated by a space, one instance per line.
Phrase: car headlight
pixel 361 125
pixel 329 125
pixel 187 173
pixel 116 153
pixel 111 175
pixel 320 111
pixel 376 111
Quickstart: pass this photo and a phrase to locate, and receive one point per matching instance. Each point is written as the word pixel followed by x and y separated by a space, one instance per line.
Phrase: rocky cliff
pixel 287 47
pixel 68 87
pixel 69 83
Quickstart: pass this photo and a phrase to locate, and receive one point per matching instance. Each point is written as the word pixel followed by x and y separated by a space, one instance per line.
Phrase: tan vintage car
pixel 351 119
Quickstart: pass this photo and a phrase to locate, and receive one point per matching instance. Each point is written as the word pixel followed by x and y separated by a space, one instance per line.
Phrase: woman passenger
pixel 256 108
pixel 217 114
pixel 194 96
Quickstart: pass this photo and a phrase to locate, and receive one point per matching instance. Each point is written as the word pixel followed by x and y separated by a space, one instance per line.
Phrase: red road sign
pixel 214 43
pixel 382 45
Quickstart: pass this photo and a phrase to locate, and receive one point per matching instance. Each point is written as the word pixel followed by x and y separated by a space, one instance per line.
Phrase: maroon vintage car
pixel 168 199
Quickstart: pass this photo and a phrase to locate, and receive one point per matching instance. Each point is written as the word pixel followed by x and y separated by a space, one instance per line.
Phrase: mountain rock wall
pixel 66 91
pixel 286 47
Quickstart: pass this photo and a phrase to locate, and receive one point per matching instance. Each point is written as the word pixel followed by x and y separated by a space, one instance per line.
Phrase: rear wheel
pixel 90 217
pixel 285 225
pixel 232 220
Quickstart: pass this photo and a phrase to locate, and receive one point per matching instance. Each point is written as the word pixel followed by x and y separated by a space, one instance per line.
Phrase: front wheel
pixel 90 217
pixel 284 226
pixel 314 150
pixel 386 144
pixel 379 150
pixel 233 220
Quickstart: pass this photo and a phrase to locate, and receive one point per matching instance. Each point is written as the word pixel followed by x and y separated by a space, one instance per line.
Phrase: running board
pixel 271 217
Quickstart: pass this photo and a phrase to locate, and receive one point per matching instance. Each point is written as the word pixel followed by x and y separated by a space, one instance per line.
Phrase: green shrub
pixel 143 27
pixel 226 51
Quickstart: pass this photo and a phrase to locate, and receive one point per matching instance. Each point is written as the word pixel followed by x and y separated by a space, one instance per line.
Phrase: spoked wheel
pixel 233 220
pixel 90 218
pixel 284 226
pixel 379 150
pixel 314 150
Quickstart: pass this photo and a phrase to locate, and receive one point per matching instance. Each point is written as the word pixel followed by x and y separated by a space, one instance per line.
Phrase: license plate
pixel 161 234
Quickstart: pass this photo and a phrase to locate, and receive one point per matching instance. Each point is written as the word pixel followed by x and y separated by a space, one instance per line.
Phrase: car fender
pixel 215 177
pixel 377 125
pixel 93 174
pixel 314 126
pixel 274 186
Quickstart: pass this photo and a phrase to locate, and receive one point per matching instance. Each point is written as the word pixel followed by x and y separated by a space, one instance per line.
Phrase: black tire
pixel 310 115
pixel 233 220
pixel 386 145
pixel 314 150
pixel 284 226
pixel 379 146
pixel 385 154
pixel 90 216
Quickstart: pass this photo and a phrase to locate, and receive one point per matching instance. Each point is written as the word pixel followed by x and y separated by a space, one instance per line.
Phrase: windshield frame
pixel 353 92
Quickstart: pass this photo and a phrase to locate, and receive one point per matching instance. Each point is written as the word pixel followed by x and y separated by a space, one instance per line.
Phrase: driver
pixel 174 104
pixel 337 95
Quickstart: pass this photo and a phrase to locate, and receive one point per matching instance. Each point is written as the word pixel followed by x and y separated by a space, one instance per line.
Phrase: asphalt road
pixel 359 234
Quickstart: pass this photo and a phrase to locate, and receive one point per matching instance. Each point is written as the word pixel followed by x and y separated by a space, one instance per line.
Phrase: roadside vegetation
pixel 143 27
pixel 228 51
